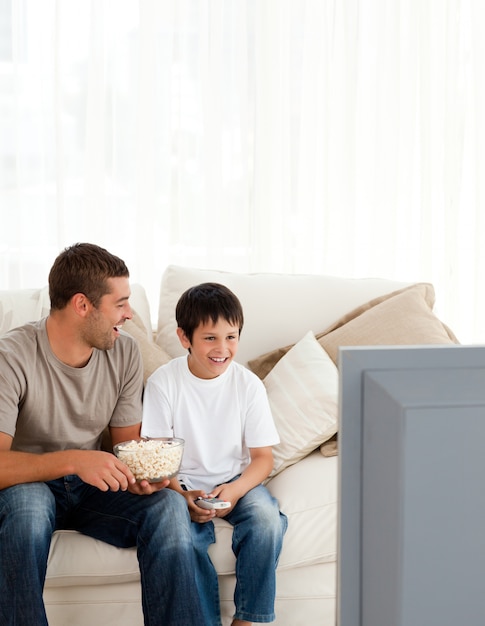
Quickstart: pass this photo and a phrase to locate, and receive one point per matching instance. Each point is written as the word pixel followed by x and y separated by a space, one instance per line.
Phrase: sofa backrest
pixel 18 306
pixel 279 309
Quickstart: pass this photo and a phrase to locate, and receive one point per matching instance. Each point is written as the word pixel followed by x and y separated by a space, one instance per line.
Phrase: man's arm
pixel 100 469
pixel 124 433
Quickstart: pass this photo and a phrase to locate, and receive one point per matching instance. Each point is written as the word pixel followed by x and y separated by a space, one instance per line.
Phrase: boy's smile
pixel 212 348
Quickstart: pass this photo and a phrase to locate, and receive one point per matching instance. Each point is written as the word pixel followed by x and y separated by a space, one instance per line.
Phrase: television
pixel 411 520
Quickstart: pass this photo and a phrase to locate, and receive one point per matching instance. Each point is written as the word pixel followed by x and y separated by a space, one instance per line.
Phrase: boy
pixel 221 410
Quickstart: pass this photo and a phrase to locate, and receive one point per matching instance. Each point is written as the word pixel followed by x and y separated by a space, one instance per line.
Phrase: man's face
pixel 102 326
pixel 212 348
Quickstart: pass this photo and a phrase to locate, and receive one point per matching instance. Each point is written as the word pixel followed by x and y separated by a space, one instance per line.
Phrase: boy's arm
pixel 258 470
pixel 197 514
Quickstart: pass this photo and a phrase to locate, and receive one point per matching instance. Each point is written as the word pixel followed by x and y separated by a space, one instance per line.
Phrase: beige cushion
pixel 302 390
pixel 404 319
pixel 307 493
pixel 422 293
pixel 330 447
pixel 153 356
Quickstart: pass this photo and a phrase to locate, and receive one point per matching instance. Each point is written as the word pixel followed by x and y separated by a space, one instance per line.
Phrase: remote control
pixel 212 503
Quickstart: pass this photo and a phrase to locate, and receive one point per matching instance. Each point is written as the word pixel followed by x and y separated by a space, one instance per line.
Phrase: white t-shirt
pixel 219 419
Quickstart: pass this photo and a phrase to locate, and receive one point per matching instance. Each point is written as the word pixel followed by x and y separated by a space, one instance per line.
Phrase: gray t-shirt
pixel 46 405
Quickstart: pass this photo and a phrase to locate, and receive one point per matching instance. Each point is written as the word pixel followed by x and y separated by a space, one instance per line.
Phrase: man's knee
pixel 28 508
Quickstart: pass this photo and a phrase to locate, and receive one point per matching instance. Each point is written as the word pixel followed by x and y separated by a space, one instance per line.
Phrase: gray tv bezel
pixel 405 379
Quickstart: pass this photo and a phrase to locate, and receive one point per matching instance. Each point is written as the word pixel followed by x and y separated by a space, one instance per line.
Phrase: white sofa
pixel 92 583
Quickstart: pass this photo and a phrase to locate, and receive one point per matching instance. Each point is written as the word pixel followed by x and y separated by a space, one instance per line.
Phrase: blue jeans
pixel 158 525
pixel 257 539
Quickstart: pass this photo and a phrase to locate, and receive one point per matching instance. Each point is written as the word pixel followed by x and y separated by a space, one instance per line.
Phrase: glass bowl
pixel 153 459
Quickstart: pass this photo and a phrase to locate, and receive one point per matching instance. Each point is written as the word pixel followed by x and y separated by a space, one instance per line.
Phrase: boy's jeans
pixel 257 539
pixel 158 524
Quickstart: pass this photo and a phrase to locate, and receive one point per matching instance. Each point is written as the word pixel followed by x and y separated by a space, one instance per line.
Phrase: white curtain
pixel 341 137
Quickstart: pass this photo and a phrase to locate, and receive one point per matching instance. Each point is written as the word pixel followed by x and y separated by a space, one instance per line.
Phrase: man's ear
pixel 80 304
pixel 184 340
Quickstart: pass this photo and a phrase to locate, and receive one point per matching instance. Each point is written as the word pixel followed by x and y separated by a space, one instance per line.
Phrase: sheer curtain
pixel 342 137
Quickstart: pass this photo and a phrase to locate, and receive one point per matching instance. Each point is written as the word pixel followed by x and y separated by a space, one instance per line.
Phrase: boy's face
pixel 212 349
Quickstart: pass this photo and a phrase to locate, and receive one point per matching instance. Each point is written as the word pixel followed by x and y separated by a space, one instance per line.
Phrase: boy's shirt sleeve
pixel 260 428
pixel 157 413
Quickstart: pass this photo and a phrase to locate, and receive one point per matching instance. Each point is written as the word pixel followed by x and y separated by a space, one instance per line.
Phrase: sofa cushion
pixel 278 308
pixel 75 559
pixel 139 302
pixel 307 495
pixel 329 447
pixel 19 306
pixel 153 356
pixel 302 390
pixel 404 319
pixel 401 317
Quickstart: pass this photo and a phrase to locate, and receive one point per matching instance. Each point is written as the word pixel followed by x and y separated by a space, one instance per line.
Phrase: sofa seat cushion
pixel 75 559
pixel 307 494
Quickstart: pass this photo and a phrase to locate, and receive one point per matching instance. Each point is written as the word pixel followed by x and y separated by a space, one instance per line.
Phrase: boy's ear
pixel 183 338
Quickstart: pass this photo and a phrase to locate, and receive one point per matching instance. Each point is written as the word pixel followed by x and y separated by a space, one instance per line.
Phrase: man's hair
pixel 204 302
pixel 83 268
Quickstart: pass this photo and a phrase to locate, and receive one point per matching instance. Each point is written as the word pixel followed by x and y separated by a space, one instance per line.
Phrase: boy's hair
pixel 83 268
pixel 204 302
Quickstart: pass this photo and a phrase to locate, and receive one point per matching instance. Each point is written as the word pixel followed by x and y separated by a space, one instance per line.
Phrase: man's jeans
pixel 257 539
pixel 158 525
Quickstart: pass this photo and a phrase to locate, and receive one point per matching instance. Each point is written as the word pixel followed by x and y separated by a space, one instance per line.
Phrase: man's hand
pixel 102 470
pixel 106 472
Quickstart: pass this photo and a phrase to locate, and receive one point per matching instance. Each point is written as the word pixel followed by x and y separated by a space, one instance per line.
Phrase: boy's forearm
pixel 175 485
pixel 258 470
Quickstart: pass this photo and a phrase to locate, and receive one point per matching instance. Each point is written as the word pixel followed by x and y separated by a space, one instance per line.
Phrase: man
pixel 63 379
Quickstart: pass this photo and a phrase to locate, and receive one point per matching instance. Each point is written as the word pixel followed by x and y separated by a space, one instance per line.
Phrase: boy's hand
pixel 197 514
pixel 144 488
pixel 229 492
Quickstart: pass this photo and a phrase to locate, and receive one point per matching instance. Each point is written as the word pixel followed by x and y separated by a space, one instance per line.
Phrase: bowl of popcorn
pixel 153 459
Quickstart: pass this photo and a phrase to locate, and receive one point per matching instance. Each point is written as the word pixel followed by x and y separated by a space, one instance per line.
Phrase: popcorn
pixel 151 459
